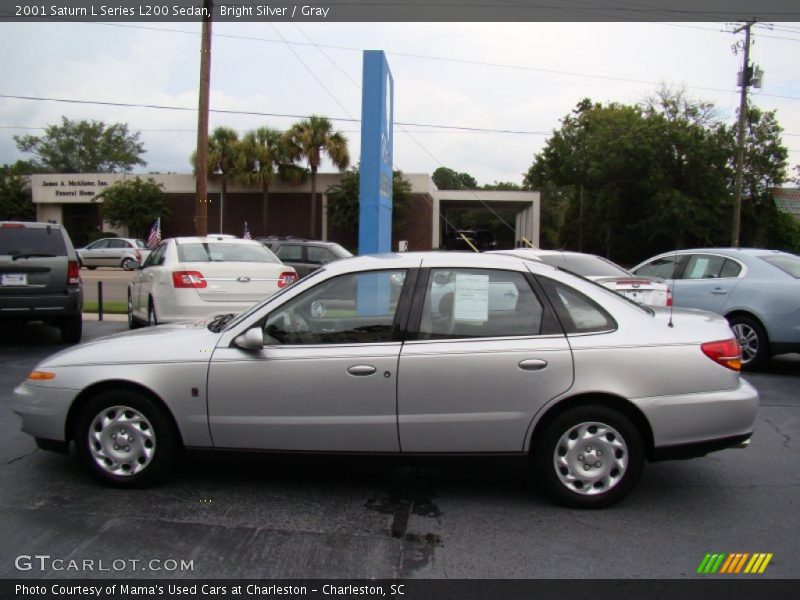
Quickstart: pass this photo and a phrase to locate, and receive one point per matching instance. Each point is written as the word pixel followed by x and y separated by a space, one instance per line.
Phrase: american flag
pixel 246 234
pixel 155 234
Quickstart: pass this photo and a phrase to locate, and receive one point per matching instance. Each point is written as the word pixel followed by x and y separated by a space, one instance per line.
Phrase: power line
pixel 264 114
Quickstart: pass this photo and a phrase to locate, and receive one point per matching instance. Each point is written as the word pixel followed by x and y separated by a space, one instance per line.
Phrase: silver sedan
pixel 477 354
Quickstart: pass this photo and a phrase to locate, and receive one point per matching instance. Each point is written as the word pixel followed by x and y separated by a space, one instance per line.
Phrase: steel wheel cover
pixel 121 441
pixel 748 340
pixel 590 458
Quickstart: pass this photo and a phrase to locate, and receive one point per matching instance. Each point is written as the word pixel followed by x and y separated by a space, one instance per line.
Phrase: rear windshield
pixel 339 251
pixel 584 265
pixel 21 241
pixel 225 252
pixel 787 263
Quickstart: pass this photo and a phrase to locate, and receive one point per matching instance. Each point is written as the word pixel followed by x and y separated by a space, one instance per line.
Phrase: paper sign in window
pixel 471 298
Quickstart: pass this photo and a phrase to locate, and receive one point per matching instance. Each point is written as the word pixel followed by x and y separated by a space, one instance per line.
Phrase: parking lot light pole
pixel 201 210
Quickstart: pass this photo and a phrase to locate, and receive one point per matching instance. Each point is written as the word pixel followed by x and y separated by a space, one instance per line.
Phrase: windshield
pixel 788 263
pixel 585 265
pixel 339 251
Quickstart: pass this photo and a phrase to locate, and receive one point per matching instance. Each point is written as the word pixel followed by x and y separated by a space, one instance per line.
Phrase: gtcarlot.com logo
pixel 734 564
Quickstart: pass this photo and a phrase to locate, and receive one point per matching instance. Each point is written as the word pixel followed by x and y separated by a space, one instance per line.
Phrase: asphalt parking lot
pixel 285 517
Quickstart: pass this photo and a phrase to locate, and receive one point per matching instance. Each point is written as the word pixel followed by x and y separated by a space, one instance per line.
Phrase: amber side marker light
pixel 726 353
pixel 41 375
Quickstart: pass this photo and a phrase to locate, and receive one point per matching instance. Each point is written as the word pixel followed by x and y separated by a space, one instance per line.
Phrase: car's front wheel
pixel 589 457
pixel 133 322
pixel 753 340
pixel 152 317
pixel 125 439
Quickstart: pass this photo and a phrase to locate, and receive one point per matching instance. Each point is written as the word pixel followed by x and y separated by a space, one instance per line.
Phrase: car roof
pixel 433 259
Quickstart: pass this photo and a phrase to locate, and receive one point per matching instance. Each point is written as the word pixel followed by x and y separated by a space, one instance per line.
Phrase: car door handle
pixel 361 370
pixel 719 291
pixel 532 364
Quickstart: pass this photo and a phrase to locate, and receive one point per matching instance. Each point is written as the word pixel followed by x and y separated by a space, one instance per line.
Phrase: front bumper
pixel 43 410
pixel 695 424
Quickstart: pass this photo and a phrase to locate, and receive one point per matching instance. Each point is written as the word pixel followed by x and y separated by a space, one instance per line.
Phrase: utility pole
pixel 745 83
pixel 201 206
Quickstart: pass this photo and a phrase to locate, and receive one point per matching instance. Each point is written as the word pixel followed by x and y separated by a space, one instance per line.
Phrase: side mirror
pixel 252 339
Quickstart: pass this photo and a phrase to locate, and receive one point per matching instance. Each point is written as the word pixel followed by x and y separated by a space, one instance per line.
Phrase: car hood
pixel 189 341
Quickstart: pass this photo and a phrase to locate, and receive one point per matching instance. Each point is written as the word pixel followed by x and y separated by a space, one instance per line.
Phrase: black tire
pixel 71 329
pixel 129 264
pixel 143 421
pixel 133 322
pixel 753 340
pixel 152 317
pixel 584 475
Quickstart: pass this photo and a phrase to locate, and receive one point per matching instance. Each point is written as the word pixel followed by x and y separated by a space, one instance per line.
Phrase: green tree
pixel 134 203
pixel 15 195
pixel 224 161
pixel 261 159
pixel 448 179
pixel 343 201
pixel 765 165
pixel 502 186
pixel 84 147
pixel 309 140
pixel 633 180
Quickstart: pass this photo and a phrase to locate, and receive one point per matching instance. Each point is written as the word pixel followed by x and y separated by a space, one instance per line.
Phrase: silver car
pixel 758 291
pixel 563 369
pixel 127 253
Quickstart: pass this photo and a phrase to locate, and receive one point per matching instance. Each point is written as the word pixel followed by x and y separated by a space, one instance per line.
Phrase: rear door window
pixel 703 266
pixel 290 252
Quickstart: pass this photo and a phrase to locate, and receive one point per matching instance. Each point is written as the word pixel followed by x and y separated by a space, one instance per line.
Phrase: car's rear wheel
pixel 129 264
pixel 71 328
pixel 133 322
pixel 152 317
pixel 125 439
pixel 753 340
pixel 590 457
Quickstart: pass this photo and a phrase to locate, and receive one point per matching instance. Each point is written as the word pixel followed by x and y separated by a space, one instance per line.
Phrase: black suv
pixel 304 255
pixel 40 277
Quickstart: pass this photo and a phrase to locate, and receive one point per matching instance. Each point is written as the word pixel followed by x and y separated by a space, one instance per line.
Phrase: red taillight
pixel 286 278
pixel 138 256
pixel 73 273
pixel 188 279
pixel 669 297
pixel 13 226
pixel 726 353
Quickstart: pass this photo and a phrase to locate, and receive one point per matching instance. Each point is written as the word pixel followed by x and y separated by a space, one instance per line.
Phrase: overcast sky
pixel 520 77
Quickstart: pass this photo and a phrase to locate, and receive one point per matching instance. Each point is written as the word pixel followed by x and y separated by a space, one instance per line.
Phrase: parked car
pixel 197 277
pixel 40 277
pixel 586 382
pixel 647 290
pixel 305 256
pixel 127 253
pixel 756 290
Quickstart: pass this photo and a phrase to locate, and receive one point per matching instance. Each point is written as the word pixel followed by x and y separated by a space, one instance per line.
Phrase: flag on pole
pixel 246 234
pixel 155 234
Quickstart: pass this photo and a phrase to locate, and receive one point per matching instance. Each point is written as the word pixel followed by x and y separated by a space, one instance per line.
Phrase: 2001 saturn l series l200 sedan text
pixel 430 353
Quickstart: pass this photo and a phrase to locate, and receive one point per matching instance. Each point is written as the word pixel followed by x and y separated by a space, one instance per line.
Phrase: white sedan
pixel 199 277
pixel 644 290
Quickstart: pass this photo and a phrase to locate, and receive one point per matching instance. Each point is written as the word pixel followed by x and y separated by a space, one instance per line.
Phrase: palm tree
pixel 224 148
pixel 262 152
pixel 311 138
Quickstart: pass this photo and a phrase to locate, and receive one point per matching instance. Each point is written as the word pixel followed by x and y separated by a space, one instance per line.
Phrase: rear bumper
pixel 34 307
pixel 700 448
pixel 695 424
